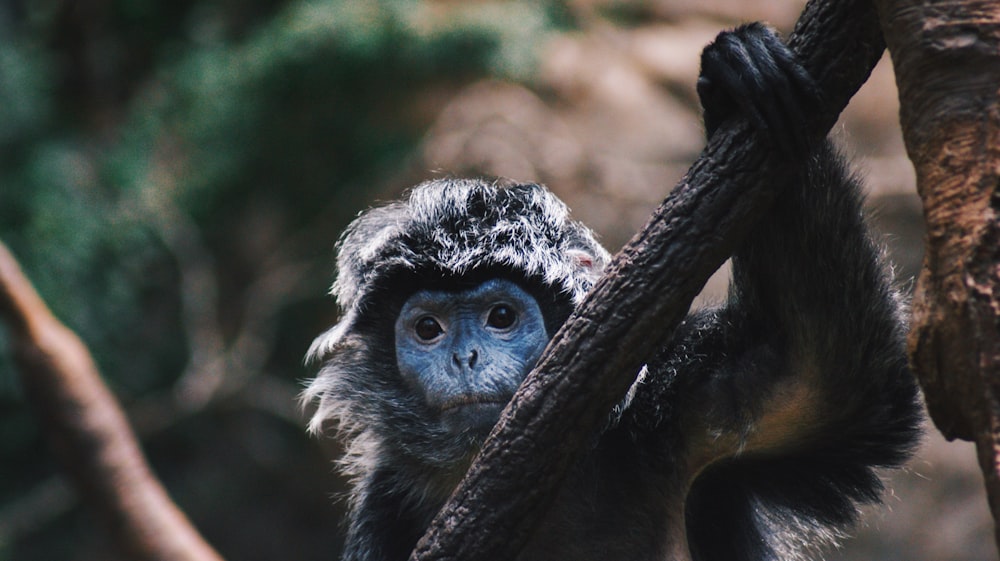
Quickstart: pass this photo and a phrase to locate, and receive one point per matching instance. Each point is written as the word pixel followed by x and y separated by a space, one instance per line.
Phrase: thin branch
pixel 592 360
pixel 88 431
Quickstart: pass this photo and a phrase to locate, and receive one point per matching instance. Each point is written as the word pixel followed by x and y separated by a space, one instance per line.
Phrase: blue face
pixel 466 352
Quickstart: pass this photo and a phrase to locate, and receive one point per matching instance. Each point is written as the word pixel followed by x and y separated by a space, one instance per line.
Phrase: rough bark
pixel 947 61
pixel 593 359
pixel 88 431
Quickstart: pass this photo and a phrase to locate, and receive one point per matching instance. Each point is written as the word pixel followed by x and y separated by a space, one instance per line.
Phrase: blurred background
pixel 174 175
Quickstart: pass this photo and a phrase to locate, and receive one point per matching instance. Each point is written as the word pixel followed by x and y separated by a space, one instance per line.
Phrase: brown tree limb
pixel 593 359
pixel 88 431
pixel 947 61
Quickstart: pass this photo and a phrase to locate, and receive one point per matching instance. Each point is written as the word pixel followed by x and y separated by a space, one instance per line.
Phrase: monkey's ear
pixel 587 269
pixel 586 261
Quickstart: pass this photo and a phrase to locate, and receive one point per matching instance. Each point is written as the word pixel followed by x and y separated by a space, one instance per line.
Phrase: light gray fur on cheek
pixel 503 356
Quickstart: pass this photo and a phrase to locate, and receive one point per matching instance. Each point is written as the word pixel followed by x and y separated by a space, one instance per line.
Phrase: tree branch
pixel 648 289
pixel 947 61
pixel 88 431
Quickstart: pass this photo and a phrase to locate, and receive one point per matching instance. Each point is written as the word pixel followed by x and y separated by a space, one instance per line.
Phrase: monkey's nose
pixel 469 360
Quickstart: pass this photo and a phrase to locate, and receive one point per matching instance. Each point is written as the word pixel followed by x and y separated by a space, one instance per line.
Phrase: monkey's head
pixel 449 297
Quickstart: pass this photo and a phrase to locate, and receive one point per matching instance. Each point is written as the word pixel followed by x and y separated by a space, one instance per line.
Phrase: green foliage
pixel 123 131
pixel 312 101
pixel 24 97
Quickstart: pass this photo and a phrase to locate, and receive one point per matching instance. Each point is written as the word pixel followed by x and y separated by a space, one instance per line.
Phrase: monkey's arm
pixel 782 401
pixel 811 335
pixel 779 405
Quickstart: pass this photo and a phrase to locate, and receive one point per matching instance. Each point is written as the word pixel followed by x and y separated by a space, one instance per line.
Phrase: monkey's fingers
pixel 750 71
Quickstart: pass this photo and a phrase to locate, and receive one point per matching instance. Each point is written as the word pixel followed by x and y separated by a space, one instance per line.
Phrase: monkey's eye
pixel 428 328
pixel 501 316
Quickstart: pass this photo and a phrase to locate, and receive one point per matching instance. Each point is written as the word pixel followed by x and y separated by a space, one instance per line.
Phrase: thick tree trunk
pixel 947 60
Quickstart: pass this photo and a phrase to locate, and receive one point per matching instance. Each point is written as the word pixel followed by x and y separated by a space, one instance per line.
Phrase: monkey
pixel 752 433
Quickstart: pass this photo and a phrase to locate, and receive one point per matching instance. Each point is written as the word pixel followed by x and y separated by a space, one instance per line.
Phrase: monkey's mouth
pixel 462 401
pixel 472 414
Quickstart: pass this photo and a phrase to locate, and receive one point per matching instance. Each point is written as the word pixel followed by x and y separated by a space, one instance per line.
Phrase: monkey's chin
pixel 472 419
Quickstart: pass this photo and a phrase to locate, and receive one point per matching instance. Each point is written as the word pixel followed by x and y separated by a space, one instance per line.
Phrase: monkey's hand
pixel 749 71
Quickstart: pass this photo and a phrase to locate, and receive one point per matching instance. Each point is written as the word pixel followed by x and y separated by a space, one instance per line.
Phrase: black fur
pixel 753 434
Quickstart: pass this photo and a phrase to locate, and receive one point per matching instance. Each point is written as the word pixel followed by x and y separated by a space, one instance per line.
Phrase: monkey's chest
pixel 611 507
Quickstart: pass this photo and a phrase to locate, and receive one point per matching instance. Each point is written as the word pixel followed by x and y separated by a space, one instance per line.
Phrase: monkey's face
pixel 465 352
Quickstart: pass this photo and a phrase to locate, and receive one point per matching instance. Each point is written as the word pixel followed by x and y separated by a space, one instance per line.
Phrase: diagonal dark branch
pixel 593 359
